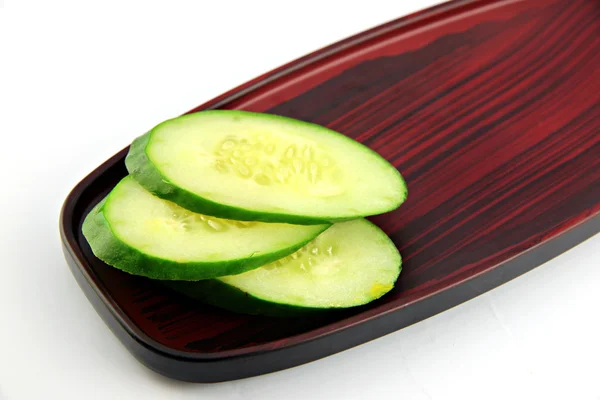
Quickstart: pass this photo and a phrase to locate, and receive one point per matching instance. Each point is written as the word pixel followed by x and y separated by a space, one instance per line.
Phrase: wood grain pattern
pixel 490 109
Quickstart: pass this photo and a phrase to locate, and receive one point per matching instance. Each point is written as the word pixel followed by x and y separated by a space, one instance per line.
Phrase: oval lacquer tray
pixel 491 111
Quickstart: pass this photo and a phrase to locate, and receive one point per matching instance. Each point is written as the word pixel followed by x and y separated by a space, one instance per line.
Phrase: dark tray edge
pixel 258 363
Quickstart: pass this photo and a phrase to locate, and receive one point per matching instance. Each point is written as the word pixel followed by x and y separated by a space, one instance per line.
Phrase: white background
pixel 78 84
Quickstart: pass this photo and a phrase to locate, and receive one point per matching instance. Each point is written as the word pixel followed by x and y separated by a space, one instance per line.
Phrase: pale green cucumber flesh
pixel 350 264
pixel 139 233
pixel 252 166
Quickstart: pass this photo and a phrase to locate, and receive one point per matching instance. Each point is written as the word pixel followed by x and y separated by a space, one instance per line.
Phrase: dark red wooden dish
pixel 490 109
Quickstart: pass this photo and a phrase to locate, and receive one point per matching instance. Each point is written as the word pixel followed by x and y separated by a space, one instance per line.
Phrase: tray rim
pixel 409 22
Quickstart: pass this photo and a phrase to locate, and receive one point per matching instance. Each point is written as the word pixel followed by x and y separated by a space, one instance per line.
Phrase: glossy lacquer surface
pixel 490 109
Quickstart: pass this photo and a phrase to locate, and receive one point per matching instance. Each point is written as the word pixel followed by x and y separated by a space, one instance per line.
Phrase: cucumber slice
pixel 139 233
pixel 251 166
pixel 350 264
